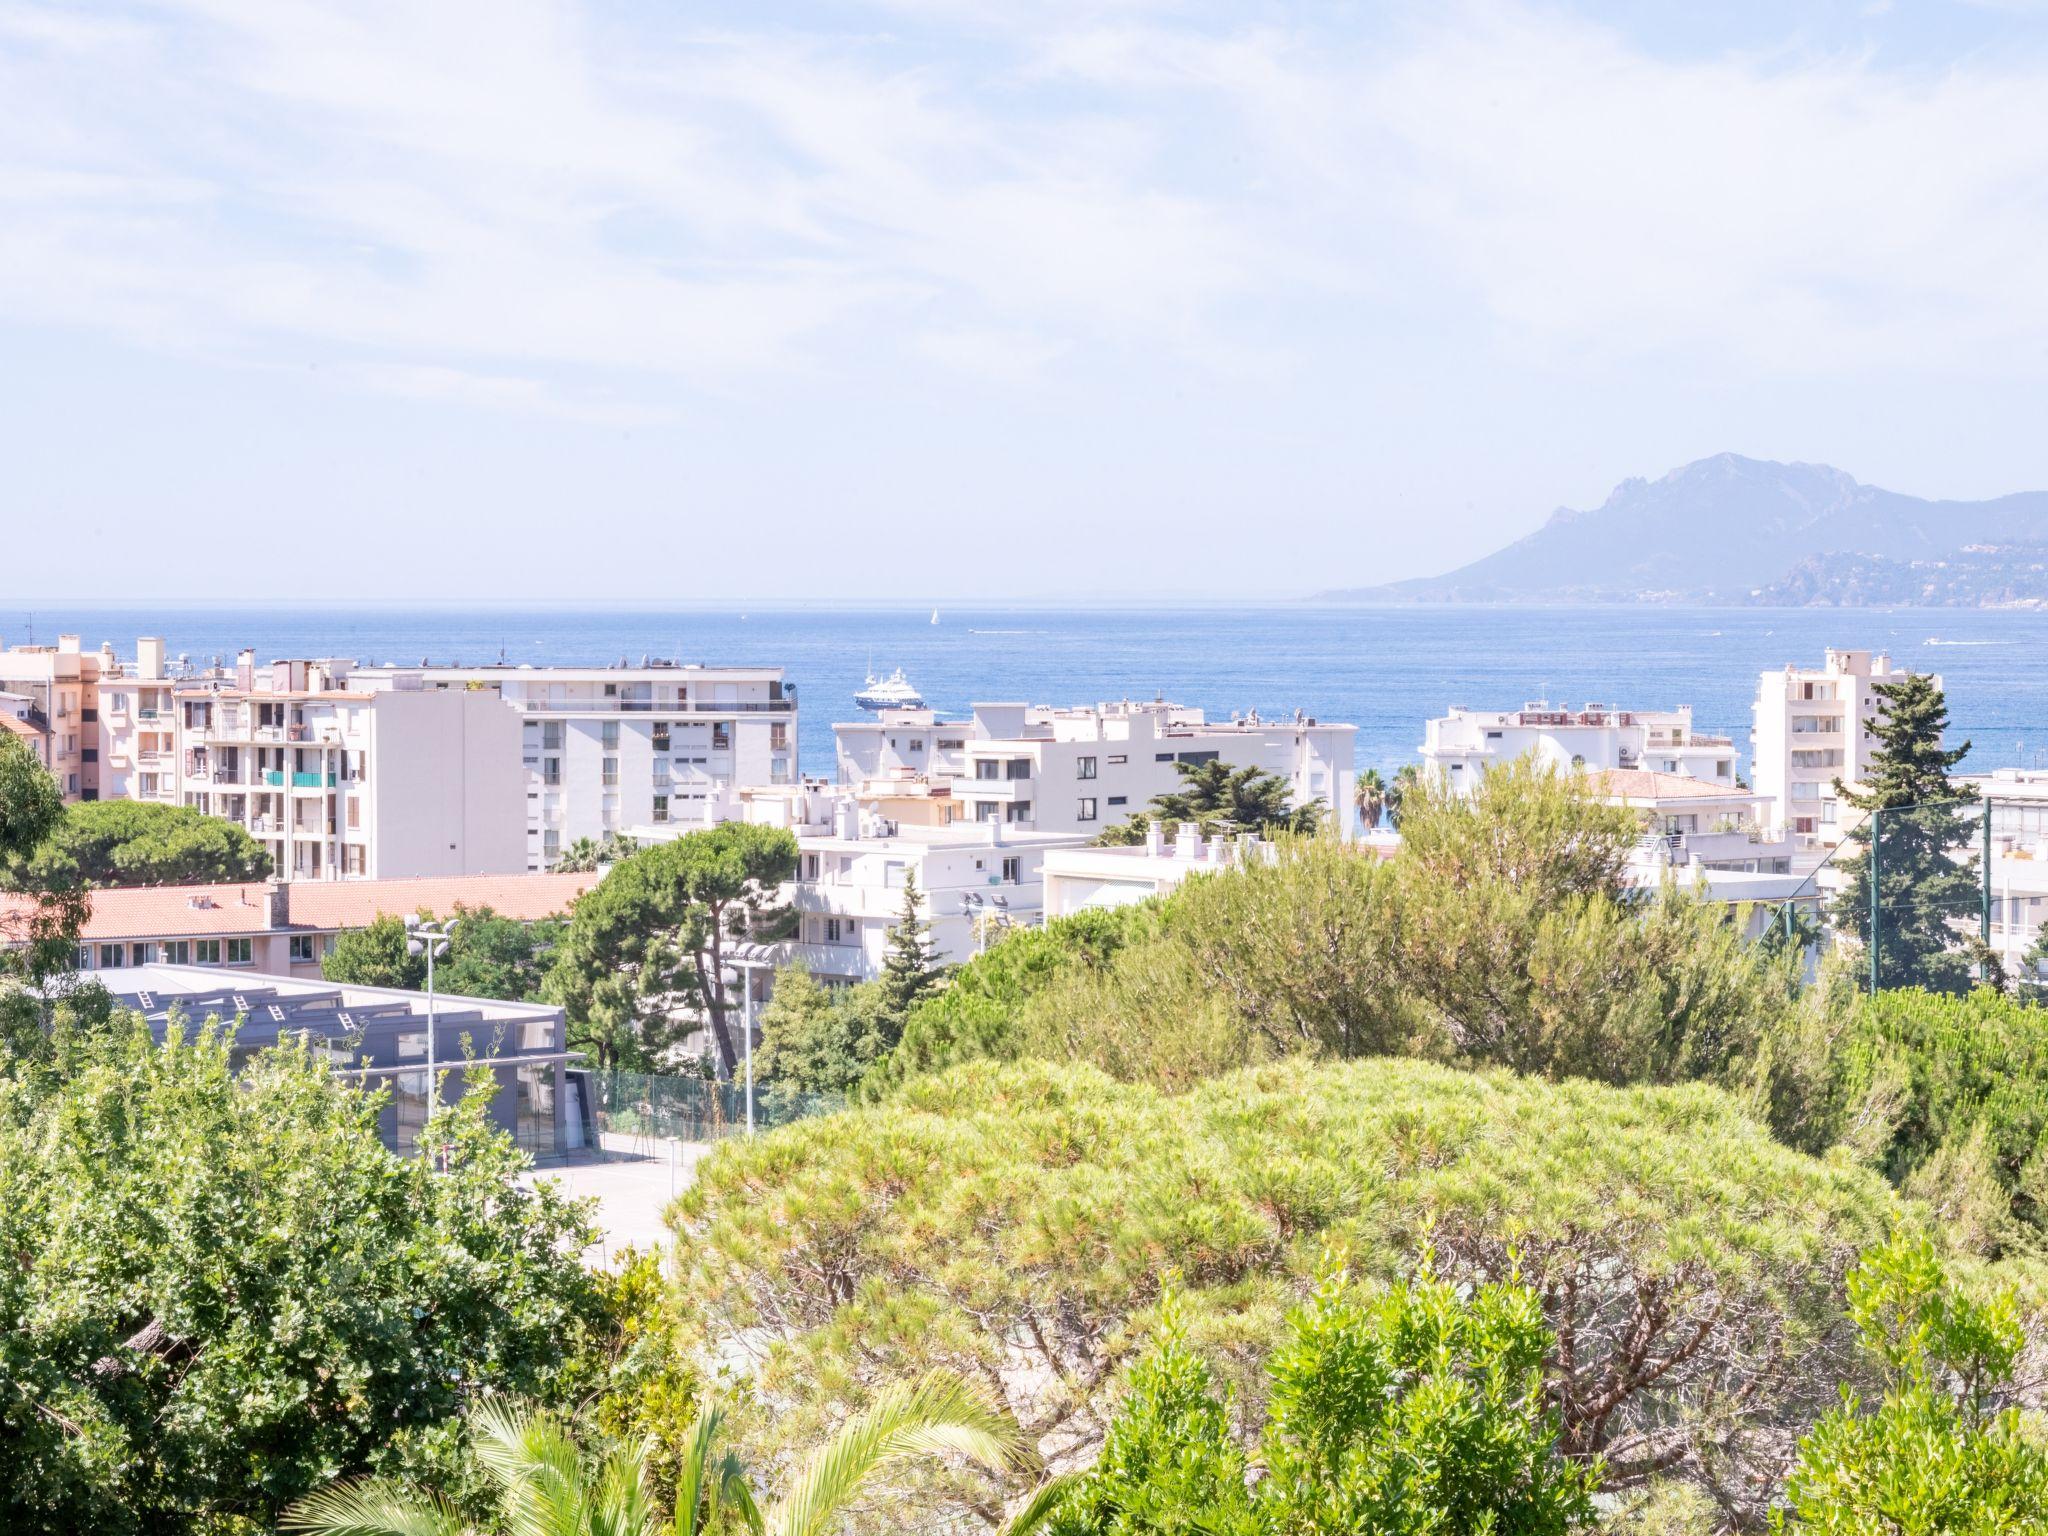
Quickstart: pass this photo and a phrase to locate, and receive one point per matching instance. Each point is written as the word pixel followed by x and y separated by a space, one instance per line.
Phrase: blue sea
pixel 1386 670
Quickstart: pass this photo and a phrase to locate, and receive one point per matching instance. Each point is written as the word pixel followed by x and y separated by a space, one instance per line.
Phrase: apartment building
pixel 54 693
pixel 2017 799
pixel 1810 731
pixel 335 783
pixel 1045 769
pixel 601 749
pixel 1462 745
pixel 1079 879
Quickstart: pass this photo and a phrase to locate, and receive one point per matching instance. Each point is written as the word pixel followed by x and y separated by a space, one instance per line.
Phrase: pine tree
pixel 1924 889
pixel 908 971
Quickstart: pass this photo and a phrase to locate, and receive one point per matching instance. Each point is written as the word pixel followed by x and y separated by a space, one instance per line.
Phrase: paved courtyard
pixel 633 1183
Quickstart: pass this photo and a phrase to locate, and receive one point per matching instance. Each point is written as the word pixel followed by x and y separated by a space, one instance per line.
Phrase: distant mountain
pixel 1735 530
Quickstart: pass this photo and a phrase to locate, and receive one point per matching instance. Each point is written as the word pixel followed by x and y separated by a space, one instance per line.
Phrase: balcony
pixel 276 778
pixel 707 707
pixel 998 789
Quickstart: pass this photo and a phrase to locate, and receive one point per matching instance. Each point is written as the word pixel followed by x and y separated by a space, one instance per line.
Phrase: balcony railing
pixel 276 777
pixel 655 706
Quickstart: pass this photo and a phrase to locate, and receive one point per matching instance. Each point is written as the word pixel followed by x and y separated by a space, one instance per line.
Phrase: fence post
pixel 1876 908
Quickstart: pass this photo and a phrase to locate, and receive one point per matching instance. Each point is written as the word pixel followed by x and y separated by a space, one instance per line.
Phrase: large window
pixel 534 1094
pixel 987 768
pixel 238 952
pixel 611 735
pixel 1084 767
pixel 611 773
pixel 1017 768
pixel 1085 810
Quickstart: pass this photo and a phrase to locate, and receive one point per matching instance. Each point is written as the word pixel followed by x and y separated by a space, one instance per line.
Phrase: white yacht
pixel 892 692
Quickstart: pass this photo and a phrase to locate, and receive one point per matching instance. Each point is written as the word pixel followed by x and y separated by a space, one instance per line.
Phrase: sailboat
pixel 935 615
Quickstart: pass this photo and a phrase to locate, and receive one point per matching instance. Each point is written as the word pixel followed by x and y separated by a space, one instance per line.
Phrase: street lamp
pixel 424 939
pixel 738 976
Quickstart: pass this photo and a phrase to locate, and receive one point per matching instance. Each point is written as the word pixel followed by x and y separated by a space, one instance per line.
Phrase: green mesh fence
pixel 643 1107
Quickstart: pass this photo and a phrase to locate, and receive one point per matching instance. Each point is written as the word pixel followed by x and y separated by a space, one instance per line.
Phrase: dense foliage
pixel 488 956
pixel 39 939
pixel 130 842
pixel 1414 1411
pixel 221 1290
pixel 1216 798
pixel 1502 934
pixel 1018 1220
pixel 818 1039
pixel 643 954
pixel 1945 1449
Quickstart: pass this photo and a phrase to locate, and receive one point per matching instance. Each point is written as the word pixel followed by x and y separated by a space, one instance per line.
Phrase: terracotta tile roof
pixel 356 903
pixel 20 727
pixel 167 911
pixel 1643 784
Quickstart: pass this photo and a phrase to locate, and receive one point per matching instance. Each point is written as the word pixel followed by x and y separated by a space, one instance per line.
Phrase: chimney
pixel 67 645
pixel 149 659
pixel 245 671
pixel 1186 841
pixel 1155 840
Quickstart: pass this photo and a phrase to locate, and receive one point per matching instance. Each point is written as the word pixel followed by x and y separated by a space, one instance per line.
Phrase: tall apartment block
pixel 1078 770
pixel 1810 731
pixel 50 692
pixel 601 749
pixel 335 782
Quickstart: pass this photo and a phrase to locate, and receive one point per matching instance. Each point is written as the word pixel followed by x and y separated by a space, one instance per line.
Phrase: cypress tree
pixel 1927 883
pixel 908 970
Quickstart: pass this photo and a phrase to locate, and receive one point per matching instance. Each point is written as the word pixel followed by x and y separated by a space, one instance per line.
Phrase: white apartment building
pixel 1039 768
pixel 1810 731
pixel 602 749
pixel 2018 800
pixel 853 863
pixel 1463 744
pixel 1077 879
pixel 334 783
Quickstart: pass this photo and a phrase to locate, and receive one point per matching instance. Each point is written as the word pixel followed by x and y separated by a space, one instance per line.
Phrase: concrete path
pixel 633 1180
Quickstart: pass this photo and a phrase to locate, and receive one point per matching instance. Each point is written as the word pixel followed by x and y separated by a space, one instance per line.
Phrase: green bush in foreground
pixel 1018 1219
pixel 221 1291
pixel 1413 1412
pixel 1944 1451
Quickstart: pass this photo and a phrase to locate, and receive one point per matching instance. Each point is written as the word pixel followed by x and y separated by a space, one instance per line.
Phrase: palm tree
pixel 1406 782
pixel 546 1488
pixel 1370 796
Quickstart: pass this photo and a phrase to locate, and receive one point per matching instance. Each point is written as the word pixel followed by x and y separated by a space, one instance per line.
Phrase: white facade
pixel 2019 858
pixel 1463 744
pixel 1810 731
pixel 334 784
pixel 1037 768
pixel 602 749
pixel 1077 879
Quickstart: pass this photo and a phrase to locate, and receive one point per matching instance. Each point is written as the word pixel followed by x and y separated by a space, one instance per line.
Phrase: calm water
pixel 1386 670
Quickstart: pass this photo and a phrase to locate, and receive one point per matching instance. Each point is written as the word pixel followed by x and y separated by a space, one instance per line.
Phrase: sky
pixel 476 300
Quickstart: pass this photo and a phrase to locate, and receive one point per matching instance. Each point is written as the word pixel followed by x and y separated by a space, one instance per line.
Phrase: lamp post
pixel 424 939
pixel 739 975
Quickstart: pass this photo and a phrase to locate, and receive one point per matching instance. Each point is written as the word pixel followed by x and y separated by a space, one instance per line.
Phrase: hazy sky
pixel 517 298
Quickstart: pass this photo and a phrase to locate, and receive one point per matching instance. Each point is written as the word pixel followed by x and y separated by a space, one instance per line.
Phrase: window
pixel 551 844
pixel 551 770
pixel 1162 757
pixel 1723 769
pixel 917 745
pixel 1084 767
pixel 1017 810
pixel 987 768
pixel 1199 757
pixel 1085 811
pixel 951 746
pixel 206 951
pixel 838 930
pixel 177 951
pixel 1116 759
pixel 1119 799
pixel 661 808
pixel 1013 871
pixel 986 810
pixel 304 948
pixel 92 754
pixel 551 736
pixel 1017 768
pixel 810 866
pixel 238 951
pixel 721 736
pixel 611 773
pixel 778 736
pixel 611 690
pixel 661 735
pixel 112 957
pixel 353 859
pixel 355 812
pixel 611 735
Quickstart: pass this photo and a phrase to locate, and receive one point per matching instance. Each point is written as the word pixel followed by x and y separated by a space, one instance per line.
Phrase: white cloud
pixel 471 198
